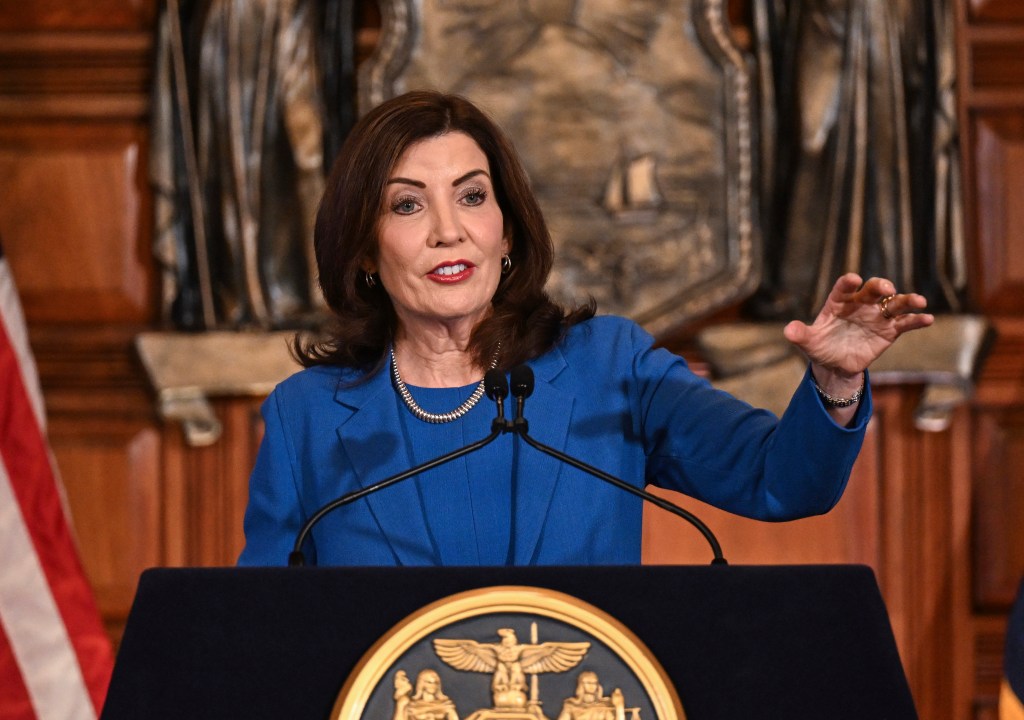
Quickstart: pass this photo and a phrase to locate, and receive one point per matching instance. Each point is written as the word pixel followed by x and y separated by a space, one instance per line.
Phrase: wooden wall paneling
pixel 921 535
pixel 176 467
pixel 242 432
pixel 74 100
pixel 75 213
pixel 991 113
pixel 886 456
pixel 989 633
pixel 997 63
pixel 996 559
pixel 74 222
pixel 945 682
pixel 206 489
pixel 990 100
pixel 998 507
pixel 998 215
pixel 996 11
pixel 924 543
pixel 205 514
pixel 246 428
pixel 112 15
pixel 958 568
pixel 111 477
pixel 1001 382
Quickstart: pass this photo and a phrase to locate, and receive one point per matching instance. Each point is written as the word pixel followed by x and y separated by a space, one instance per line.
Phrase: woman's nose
pixel 446 229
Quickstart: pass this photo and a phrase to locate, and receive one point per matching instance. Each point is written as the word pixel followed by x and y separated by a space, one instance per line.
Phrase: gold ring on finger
pixel 883 305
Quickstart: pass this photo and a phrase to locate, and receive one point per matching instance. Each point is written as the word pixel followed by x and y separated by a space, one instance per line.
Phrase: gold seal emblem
pixel 508 653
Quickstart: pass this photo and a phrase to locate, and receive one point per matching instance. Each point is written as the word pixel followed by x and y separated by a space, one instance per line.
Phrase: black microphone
pixel 522 388
pixel 496 388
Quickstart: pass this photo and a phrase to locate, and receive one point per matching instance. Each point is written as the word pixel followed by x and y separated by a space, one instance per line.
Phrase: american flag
pixel 55 657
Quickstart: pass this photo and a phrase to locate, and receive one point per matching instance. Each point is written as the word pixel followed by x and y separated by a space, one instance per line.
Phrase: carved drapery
pixel 861 144
pixel 237 162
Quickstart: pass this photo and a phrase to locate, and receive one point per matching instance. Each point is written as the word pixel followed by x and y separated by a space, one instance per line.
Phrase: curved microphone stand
pixel 522 388
pixel 497 389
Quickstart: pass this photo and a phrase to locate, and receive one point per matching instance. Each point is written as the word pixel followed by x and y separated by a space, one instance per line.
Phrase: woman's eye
pixel 474 197
pixel 404 206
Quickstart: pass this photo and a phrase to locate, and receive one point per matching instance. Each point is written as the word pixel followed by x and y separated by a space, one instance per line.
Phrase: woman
pixel 590 703
pixel 433 255
pixel 428 702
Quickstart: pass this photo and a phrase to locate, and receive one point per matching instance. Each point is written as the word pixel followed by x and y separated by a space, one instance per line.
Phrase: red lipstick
pixel 451 271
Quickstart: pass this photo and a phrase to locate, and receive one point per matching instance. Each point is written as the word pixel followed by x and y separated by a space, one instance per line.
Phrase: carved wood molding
pixel 89 15
pixel 88 357
pixel 988 648
pixel 52 75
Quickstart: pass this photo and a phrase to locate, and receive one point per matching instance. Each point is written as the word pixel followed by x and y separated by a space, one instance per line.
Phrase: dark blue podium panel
pixel 736 641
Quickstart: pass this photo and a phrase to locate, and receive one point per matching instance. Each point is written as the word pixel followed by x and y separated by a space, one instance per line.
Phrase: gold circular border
pixel 621 641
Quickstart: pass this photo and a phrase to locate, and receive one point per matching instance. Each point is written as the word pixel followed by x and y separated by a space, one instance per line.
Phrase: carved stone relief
pixel 634 121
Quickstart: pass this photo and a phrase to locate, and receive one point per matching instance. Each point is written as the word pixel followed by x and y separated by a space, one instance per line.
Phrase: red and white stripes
pixel 55 658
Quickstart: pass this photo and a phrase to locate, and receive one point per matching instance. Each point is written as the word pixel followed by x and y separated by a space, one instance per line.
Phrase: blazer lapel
pixel 373 440
pixel 549 412
pixel 376 448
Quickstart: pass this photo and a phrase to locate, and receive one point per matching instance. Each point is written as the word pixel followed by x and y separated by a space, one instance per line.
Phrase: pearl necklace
pixel 436 418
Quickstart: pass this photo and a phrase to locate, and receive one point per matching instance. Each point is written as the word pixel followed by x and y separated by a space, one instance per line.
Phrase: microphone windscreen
pixel 522 381
pixel 495 384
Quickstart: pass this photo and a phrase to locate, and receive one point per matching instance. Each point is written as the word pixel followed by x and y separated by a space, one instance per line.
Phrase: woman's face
pixel 442 234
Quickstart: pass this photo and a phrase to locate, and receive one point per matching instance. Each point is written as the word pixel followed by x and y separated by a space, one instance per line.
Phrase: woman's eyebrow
pixel 420 184
pixel 463 178
pixel 405 181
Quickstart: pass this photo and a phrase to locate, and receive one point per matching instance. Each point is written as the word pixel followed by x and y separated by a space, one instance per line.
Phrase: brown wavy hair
pixel 524 320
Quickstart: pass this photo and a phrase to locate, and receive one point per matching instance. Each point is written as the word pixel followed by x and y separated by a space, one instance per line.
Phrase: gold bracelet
pixel 838 402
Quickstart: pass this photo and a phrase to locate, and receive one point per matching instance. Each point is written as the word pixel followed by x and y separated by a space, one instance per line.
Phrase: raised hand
pixel 859 321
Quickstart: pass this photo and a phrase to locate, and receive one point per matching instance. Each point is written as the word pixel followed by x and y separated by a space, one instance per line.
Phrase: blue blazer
pixel 603 394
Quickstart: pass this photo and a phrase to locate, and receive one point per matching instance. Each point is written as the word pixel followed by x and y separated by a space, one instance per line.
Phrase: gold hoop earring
pixel 370 282
pixel 506 264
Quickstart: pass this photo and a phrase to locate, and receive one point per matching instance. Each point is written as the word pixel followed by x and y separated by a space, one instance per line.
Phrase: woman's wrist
pixel 838 391
pixel 834 401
